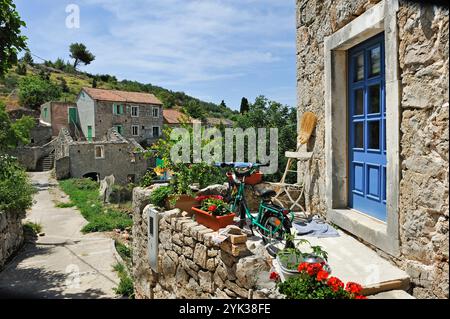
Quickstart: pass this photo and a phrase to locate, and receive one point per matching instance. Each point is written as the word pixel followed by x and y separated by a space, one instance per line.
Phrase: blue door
pixel 367 128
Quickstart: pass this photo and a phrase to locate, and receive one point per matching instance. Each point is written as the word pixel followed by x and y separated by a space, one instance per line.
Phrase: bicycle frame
pixel 239 199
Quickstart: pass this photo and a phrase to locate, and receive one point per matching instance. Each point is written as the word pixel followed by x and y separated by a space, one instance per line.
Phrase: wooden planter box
pixel 211 221
pixel 184 203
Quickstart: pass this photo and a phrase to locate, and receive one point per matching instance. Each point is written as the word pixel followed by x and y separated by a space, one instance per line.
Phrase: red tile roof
pixel 121 96
pixel 173 116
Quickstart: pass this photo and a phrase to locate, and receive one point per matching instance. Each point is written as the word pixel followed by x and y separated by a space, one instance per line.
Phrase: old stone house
pixel 376 75
pixel 133 115
pixel 60 115
pixel 111 155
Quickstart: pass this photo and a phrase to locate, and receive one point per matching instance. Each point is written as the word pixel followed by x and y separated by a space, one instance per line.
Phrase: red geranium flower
pixel 360 297
pixel 335 283
pixel 274 276
pixel 212 208
pixel 302 267
pixel 322 275
pixel 313 269
pixel 353 288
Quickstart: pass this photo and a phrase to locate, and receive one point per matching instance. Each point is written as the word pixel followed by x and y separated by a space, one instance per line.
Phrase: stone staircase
pixel 47 162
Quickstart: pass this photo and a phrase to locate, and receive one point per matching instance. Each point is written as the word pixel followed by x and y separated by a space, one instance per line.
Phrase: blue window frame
pixel 367 127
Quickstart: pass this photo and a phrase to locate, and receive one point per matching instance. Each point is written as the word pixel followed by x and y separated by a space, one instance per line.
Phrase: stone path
pixel 64 263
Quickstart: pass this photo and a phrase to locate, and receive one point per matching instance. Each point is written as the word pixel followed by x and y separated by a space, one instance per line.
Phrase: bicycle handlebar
pixel 240 165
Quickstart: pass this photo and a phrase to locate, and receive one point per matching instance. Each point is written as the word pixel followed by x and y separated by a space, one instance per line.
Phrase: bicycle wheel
pixel 276 229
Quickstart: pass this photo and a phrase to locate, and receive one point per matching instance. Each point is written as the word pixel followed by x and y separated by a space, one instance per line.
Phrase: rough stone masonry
pixel 191 264
pixel 11 235
pixel 424 114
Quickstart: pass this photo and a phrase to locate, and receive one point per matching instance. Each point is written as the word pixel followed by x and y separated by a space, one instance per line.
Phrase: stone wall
pixel 424 206
pixel 191 263
pixel 105 119
pixel 11 235
pixel 120 158
pixel 424 66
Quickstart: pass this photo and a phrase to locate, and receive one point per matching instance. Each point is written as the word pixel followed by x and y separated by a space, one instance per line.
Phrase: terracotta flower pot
pixel 254 179
pixel 211 221
pixel 183 202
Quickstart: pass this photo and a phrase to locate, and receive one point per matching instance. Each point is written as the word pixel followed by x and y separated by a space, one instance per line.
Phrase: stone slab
pixel 351 260
pixel 393 294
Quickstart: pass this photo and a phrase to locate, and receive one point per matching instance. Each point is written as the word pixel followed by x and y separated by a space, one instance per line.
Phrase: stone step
pixel 393 294
pixel 351 260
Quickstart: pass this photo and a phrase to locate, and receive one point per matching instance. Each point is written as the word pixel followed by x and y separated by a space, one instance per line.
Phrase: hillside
pixel 72 82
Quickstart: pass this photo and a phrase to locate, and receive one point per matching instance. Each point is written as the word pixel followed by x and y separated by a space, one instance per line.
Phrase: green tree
pixel 271 114
pixel 11 40
pixel 80 53
pixel 94 82
pixel 27 58
pixel 222 104
pixel 245 107
pixel 35 91
pixel 21 68
pixel 195 110
pixel 15 133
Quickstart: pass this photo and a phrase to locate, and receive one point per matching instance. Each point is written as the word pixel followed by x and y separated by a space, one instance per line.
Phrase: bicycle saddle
pixel 266 193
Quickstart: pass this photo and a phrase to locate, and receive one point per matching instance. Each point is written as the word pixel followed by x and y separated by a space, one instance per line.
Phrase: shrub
pixel 35 91
pixel 16 191
pixel 148 179
pixel 34 228
pixel 158 196
pixel 21 69
pixel 123 250
pixel 126 286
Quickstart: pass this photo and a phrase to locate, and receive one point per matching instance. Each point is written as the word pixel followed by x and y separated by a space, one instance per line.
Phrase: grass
pixel 126 285
pixel 34 228
pixel 65 205
pixel 84 194
pixel 124 251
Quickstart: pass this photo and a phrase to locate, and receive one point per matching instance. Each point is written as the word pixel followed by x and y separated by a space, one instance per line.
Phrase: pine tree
pixel 245 107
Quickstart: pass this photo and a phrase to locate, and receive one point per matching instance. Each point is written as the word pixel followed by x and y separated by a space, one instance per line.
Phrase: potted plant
pixel 213 212
pixel 314 282
pixel 291 256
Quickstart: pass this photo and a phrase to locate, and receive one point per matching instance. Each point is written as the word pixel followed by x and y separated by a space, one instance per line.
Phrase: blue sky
pixel 211 49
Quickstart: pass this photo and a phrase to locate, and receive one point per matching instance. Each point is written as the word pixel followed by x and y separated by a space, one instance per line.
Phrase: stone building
pixel 133 115
pixel 112 155
pixel 376 75
pixel 60 115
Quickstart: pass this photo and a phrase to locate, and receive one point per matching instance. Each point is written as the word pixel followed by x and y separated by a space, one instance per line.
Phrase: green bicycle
pixel 271 221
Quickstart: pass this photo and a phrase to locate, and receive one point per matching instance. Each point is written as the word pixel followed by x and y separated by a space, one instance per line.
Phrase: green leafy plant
pixel 16 191
pixel 159 196
pixel 34 228
pixel 126 285
pixel 214 205
pixel 148 179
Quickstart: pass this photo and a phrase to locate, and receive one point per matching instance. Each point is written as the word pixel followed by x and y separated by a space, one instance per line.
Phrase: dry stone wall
pixel 11 235
pixel 191 264
pixel 424 113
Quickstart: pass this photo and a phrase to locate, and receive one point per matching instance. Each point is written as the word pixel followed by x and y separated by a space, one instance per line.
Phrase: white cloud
pixel 180 41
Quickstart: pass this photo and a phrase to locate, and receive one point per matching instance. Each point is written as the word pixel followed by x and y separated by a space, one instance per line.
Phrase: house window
pixel 135 111
pixel 45 113
pixel 99 152
pixel 135 130
pixel 119 129
pixel 155 111
pixel 156 131
pixel 118 109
